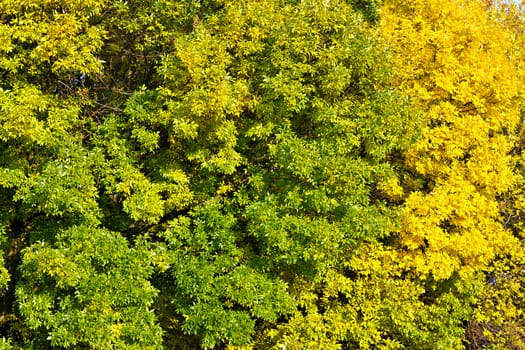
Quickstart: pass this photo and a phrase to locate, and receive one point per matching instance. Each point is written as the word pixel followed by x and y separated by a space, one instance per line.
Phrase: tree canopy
pixel 216 174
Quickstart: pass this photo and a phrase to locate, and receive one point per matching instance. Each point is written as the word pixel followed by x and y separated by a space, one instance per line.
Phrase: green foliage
pixel 5 344
pixel 240 149
pixel 4 274
pixel 89 289
pixel 215 292
pixel 370 9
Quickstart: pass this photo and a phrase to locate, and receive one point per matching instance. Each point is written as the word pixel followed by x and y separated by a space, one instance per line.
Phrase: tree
pixel 460 64
pixel 211 160
pixel 498 318
pixel 282 116
pixel 224 174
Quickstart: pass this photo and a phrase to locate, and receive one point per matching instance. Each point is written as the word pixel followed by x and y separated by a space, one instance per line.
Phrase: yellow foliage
pixel 455 61
pixel 391 187
pixel 453 228
pixel 63 38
